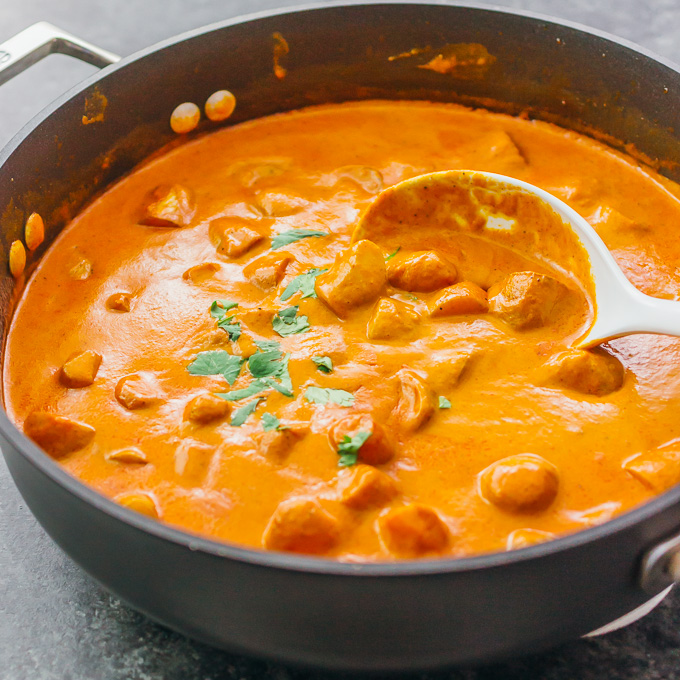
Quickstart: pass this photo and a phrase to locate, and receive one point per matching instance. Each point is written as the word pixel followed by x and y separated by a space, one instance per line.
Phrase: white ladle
pixel 620 308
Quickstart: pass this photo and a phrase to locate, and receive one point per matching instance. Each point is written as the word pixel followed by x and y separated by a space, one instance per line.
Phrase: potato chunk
pixel 391 319
pixel 268 271
pixel 414 530
pixel 239 241
pixel 592 371
pixel 169 207
pixel 81 369
pixel 356 277
pixel 376 450
pixel 277 444
pixel 462 298
pixel 301 525
pixel 57 435
pixel 524 483
pixel 522 538
pixel 421 272
pixel 205 408
pixel 658 469
pixel 368 488
pixel 142 503
pixel 138 390
pixel 525 300
pixel 417 400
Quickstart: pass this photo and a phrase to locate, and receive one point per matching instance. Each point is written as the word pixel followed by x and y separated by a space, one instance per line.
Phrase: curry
pixel 209 345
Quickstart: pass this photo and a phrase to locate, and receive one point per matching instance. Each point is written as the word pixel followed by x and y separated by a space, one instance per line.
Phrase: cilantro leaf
pixel 286 322
pixel 240 416
pixel 267 345
pixel 324 395
pixel 444 402
pixel 323 364
pixel 303 283
pixel 271 422
pixel 254 388
pixel 218 310
pixel 270 382
pixel 287 237
pixel 348 448
pixel 263 364
pixel 391 255
pixel 217 362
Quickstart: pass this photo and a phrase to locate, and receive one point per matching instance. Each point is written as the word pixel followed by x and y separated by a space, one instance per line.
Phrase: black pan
pixel 379 617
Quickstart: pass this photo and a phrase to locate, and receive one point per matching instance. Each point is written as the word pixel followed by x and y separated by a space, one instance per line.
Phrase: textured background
pixel 54 622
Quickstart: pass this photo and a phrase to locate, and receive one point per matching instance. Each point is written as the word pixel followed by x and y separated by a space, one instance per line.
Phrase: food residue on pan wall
pixel 95 106
pixel 281 49
pixel 463 60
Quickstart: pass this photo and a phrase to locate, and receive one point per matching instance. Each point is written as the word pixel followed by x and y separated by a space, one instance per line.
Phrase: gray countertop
pixel 55 623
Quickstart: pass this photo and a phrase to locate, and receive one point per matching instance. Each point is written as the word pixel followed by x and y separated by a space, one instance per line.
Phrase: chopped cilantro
pixel 240 416
pixel 348 448
pixel 271 422
pixel 323 395
pixel 279 387
pixel 303 283
pixel 323 364
pixel 287 237
pixel 267 345
pixel 444 402
pixel 391 255
pixel 254 388
pixel 264 364
pixel 218 310
pixel 217 362
pixel 286 322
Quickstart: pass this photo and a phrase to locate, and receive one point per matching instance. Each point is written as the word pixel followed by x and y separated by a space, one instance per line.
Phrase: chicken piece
pixel 239 241
pixel 356 278
pixel 142 503
pixel 592 371
pixel 119 302
pixel 658 469
pixel 366 178
pixel 414 530
pixel 81 369
pixel 302 525
pixel 277 444
pixel 391 319
pixel 462 298
pixel 268 271
pixel 524 483
pixel 495 152
pixel 170 207
pixel 138 390
pixel 206 408
pixel 201 272
pixel 192 461
pixel 614 227
pixel 57 435
pixel 258 319
pixel 81 271
pixel 368 488
pixel 417 400
pixel 376 450
pixel 421 272
pixel 522 538
pixel 445 368
pixel 130 456
pixel 525 300
pixel 280 203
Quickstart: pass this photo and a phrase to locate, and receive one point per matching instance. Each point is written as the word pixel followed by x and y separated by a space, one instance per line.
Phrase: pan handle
pixel 42 39
pixel 661 565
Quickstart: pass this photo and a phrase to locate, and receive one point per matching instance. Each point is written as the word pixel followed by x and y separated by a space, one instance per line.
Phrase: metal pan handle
pixel 39 41
pixel 661 565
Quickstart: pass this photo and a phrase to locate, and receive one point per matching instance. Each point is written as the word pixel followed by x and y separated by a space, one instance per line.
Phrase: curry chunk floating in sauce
pixel 207 345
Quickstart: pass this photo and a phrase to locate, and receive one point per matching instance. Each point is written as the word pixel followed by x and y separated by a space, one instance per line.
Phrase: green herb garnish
pixel 324 395
pixel 267 345
pixel 218 310
pixel 264 364
pixel 323 364
pixel 348 448
pixel 303 283
pixel 271 422
pixel 391 255
pixel 286 322
pixel 241 415
pixel 217 362
pixel 287 237
pixel 254 388
pixel 444 402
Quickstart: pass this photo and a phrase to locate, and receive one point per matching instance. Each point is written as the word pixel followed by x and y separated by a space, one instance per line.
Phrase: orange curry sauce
pixel 456 418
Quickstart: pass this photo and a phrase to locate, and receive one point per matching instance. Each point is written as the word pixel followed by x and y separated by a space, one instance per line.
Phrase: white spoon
pixel 479 202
